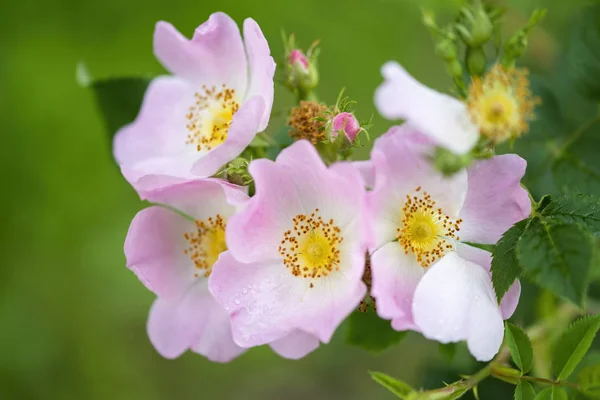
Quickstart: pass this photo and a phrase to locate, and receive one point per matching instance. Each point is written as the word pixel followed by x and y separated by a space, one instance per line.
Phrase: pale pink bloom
pixel 173 249
pixel 299 246
pixel 424 277
pixel 345 122
pixel 443 118
pixel 204 115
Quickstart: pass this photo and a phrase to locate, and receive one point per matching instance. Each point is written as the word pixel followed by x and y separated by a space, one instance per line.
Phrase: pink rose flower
pixel 296 251
pixel 204 115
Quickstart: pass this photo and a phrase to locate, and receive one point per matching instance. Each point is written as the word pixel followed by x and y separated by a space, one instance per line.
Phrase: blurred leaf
pixel 119 100
pixel 507 374
pixel 584 52
pixel 545 394
pixel 558 393
pixel 399 388
pixel 447 351
pixel 367 330
pixel 572 175
pixel 573 344
pixel 589 381
pixel 580 208
pixel 524 391
pixel 505 265
pixel 282 139
pixel 557 256
pixel 520 347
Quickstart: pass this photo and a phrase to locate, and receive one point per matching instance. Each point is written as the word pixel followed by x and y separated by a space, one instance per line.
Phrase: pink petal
pixel 510 301
pixel 154 249
pixel 495 200
pixel 201 198
pixel 194 320
pixel 455 301
pixel 214 56
pixel 262 68
pixel 244 126
pixel 437 115
pixel 152 150
pixel 266 302
pixel 296 345
pixel 395 278
pixel 367 171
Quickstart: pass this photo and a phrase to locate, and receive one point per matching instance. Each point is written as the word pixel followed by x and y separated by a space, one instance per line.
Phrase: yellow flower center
pixel 206 243
pixel 210 116
pixel 310 248
pixel 501 103
pixel 425 230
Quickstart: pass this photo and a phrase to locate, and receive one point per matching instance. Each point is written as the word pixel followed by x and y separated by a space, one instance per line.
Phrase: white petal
pixel 440 116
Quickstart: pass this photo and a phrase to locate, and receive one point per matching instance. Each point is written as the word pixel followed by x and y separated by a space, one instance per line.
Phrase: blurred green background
pixel 72 317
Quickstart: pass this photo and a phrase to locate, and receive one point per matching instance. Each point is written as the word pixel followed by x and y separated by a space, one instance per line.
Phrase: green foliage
pixel 520 347
pixel 572 175
pixel 557 256
pixel 552 393
pixel 584 52
pixel 368 331
pixel 589 381
pixel 573 344
pixel 524 391
pixel 505 266
pixel 447 351
pixel 119 100
pixel 399 388
pixel 576 208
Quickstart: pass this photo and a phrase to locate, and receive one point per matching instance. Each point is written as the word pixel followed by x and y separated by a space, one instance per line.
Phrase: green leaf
pixel 557 256
pixel 524 391
pixel 368 331
pixel 584 52
pixel 552 393
pixel 589 381
pixel 520 347
pixel 399 388
pixel 505 266
pixel 558 393
pixel 119 100
pixel 573 344
pixel 572 175
pixel 580 208
pixel 545 394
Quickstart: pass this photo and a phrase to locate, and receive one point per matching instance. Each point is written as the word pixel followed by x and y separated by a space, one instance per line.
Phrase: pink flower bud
pixel 298 58
pixel 347 123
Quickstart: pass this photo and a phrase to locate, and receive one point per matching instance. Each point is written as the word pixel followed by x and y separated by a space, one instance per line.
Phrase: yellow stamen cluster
pixel 310 248
pixel 206 244
pixel 305 123
pixel 425 230
pixel 210 116
pixel 501 103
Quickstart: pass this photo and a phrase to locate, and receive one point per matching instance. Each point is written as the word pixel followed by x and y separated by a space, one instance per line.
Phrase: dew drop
pixel 237 301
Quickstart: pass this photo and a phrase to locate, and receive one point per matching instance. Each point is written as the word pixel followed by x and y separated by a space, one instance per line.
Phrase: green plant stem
pixel 577 133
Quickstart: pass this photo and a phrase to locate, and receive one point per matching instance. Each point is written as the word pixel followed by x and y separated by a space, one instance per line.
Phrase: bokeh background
pixel 72 317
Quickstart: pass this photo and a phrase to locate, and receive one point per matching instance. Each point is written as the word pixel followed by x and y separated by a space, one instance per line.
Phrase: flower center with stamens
pixel 310 248
pixel 425 230
pixel 501 103
pixel 210 116
pixel 206 244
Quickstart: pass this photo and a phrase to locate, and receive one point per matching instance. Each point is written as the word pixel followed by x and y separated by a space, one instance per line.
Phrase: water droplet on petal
pixel 237 301
pixel 244 291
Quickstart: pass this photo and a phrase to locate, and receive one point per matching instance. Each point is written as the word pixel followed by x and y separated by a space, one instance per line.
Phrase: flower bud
pixel 345 122
pixel 300 69
pixel 476 61
pixel 237 173
pixel 476 28
pixel 449 163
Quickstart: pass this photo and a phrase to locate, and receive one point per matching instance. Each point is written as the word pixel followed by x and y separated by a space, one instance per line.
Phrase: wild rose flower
pixel 192 123
pixel 498 106
pixel 296 251
pixel 173 252
pixel 421 277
